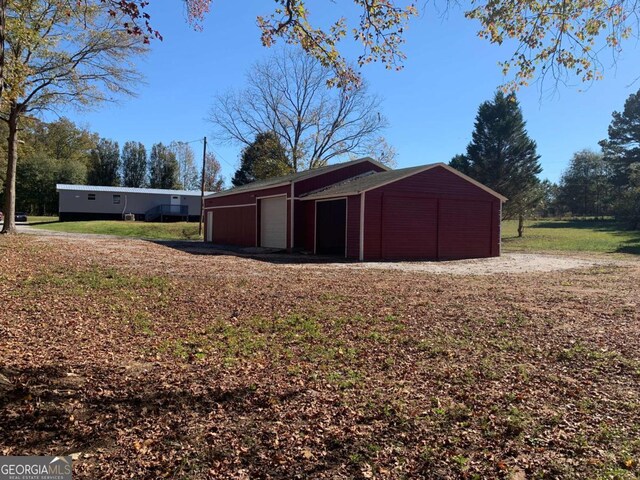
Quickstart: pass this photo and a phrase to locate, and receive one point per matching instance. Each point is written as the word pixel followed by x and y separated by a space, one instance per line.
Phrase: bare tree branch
pixel 288 95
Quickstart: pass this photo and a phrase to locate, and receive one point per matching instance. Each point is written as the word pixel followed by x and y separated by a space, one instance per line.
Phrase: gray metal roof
pixel 364 183
pixel 98 188
pixel 293 177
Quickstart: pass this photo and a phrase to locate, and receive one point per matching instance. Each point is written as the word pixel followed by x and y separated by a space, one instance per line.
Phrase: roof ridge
pixel 343 182
pixel 292 177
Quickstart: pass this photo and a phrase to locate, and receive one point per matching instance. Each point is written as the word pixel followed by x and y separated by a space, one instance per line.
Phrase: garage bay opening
pixel 331 221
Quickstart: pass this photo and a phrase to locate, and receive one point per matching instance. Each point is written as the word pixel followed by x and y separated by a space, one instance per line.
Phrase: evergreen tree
pixel 622 151
pixel 585 187
pixel 264 158
pixel 134 164
pixel 104 165
pixel 163 168
pixel 460 163
pixel 503 157
pixel 622 148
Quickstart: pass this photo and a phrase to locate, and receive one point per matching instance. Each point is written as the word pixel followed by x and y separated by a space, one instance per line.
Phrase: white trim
pixel 346 225
pixel 231 206
pixel 292 217
pixel 209 228
pixel 361 253
pixel 499 229
pixel 415 172
pixel 332 199
pixel 272 196
pixel 315 227
pixel 471 180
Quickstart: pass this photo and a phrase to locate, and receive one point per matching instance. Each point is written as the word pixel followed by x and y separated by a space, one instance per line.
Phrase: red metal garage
pixel 426 212
pixel 362 210
pixel 270 213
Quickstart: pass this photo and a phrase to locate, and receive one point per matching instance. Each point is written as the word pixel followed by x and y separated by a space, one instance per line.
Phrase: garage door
pixel 465 229
pixel 234 226
pixel 273 222
pixel 331 224
pixel 409 227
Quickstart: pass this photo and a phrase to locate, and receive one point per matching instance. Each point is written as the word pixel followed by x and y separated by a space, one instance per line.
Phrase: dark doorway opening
pixel 331 224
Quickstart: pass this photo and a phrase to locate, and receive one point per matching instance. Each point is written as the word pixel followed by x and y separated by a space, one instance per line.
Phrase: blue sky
pixel 430 105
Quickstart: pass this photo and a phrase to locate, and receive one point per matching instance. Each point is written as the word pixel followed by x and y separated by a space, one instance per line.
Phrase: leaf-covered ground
pixel 148 362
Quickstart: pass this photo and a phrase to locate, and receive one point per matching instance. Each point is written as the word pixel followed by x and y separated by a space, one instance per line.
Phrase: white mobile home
pixel 90 202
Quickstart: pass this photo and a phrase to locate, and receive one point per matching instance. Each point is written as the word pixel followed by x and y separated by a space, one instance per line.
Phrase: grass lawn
pixel 570 235
pixel 155 231
pixel 147 362
pixel 35 219
pixel 604 236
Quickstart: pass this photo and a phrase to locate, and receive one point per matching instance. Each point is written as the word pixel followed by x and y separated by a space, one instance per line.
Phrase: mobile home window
pixel 116 199
pixel 91 196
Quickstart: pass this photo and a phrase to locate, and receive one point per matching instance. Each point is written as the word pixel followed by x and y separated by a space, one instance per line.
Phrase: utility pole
pixel 204 168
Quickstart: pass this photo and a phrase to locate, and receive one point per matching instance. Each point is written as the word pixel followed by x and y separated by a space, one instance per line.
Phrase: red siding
pixel 417 219
pixel 353 226
pixel 334 176
pixel 309 225
pixel 237 225
pixel 464 229
pixel 234 226
pixel 246 197
pixel 456 219
pixel 301 234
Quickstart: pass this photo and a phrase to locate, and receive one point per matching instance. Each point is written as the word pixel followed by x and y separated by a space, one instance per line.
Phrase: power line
pixel 220 156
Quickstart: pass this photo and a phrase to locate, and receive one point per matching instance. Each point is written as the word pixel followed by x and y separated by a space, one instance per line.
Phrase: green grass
pixel 155 231
pixel 35 219
pixel 605 236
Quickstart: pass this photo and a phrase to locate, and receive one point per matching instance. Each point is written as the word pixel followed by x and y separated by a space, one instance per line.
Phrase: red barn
pixel 362 210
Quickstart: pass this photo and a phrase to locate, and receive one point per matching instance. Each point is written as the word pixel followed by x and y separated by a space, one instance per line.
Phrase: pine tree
pixel 503 157
pixel 622 152
pixel 460 163
pixel 134 164
pixel 264 158
pixel 104 164
pixel 163 168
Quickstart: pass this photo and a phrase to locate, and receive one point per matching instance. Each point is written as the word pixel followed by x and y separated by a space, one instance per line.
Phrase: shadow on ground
pixel 198 247
pixel 155 425
pixel 600 225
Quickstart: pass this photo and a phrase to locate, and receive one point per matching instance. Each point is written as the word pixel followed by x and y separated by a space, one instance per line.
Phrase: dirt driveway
pixel 192 256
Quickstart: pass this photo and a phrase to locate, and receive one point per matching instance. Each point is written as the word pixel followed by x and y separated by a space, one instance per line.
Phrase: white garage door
pixel 273 222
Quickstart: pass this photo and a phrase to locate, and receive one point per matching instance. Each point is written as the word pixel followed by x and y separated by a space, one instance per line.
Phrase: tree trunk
pixel 10 182
pixel 3 21
pixel 520 225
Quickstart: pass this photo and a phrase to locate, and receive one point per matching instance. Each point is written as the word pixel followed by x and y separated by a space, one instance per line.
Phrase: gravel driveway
pixel 191 253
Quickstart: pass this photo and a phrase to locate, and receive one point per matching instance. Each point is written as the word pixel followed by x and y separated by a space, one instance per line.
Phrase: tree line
pixel 595 184
pixel 62 152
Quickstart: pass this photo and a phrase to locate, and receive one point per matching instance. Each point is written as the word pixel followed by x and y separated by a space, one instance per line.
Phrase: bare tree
pixel 289 94
pixel 187 170
pixel 56 56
